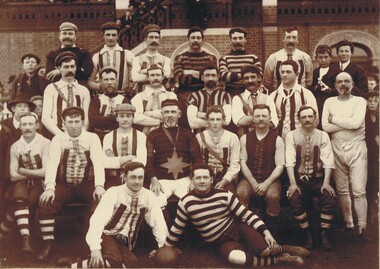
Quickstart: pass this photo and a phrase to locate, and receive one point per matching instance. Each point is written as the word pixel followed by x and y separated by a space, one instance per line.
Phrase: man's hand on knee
pixel 96 260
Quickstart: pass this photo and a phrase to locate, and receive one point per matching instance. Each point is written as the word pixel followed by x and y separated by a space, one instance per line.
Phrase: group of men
pixel 224 136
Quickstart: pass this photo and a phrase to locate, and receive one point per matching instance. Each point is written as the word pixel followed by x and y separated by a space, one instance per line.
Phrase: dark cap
pixel 67 26
pixel 36 97
pixel 344 42
pixel 72 110
pixel 107 69
pixel 64 56
pixel 110 26
pixel 253 69
pixel 154 66
pixel 21 99
pixel 151 28
pixel 239 30
pixel 125 108
pixel 170 102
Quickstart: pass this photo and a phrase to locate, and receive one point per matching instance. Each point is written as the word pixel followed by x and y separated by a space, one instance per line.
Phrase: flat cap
pixel 63 56
pixel 154 66
pixel 125 108
pixel 239 30
pixel 67 26
pixel 36 97
pixel 107 69
pixel 170 102
pixel 110 26
pixel 344 42
pixel 252 69
pixel 21 99
pixel 151 28
pixel 73 110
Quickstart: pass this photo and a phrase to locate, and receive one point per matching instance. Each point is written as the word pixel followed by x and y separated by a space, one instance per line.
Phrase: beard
pixel 211 84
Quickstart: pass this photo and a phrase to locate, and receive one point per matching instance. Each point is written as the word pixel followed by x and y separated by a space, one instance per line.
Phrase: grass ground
pixel 349 251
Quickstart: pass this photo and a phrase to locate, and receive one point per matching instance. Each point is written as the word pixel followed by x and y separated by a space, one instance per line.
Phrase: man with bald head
pixel 343 118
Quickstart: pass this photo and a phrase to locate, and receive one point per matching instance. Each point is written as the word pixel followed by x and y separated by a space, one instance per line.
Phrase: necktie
pixel 70 95
pixel 254 99
pixel 124 146
pixel 29 81
pixel 77 160
pixel 111 104
pixel 156 101
pixel 341 67
pixel 290 56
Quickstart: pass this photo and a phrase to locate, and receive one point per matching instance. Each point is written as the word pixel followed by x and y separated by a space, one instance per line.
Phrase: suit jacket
pixel 15 133
pixel 359 77
pixel 20 87
pixel 5 136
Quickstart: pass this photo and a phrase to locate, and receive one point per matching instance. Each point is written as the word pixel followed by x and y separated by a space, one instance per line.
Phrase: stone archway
pixel 358 37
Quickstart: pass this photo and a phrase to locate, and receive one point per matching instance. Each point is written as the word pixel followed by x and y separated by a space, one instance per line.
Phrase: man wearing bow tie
pixel 254 93
pixel 74 172
pixel 64 93
pixel 289 97
pixel 101 114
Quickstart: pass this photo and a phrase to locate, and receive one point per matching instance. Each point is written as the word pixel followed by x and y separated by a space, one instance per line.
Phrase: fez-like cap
pixel 153 67
pixel 125 108
pixel 64 56
pixel 36 97
pixel 26 114
pixel 110 26
pixel 170 102
pixel 73 110
pixel 151 28
pixel 239 30
pixel 107 69
pixel 67 26
pixel 251 68
pixel 344 42
pixel 21 99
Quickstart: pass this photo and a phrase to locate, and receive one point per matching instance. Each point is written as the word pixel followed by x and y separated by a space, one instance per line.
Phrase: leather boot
pixel 46 250
pixel 26 244
pixel 326 245
pixel 287 259
pixel 309 240
pixel 296 251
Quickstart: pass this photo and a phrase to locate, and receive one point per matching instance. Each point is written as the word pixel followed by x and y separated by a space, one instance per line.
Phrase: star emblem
pixel 175 164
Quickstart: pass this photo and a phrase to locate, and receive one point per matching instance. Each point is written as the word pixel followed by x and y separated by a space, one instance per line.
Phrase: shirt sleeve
pixel 53 162
pixel 110 161
pixel 279 157
pixel 243 148
pixel 141 154
pixel 290 150
pixel 96 158
pixel 47 110
pixel 326 154
pixel 135 72
pixel 234 167
pixel 356 120
pixel 155 220
pixel 237 108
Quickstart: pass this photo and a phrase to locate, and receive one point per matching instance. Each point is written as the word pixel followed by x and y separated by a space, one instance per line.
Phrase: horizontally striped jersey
pixel 211 214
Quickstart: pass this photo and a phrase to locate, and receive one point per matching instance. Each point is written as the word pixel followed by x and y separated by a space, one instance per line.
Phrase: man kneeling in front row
pixel 240 236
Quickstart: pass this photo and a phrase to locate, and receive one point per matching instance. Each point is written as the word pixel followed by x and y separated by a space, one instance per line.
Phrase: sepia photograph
pixel 189 134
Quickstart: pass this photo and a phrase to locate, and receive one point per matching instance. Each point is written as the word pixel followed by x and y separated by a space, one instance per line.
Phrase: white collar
pixel 61 83
pixel 107 48
pixel 149 90
pixel 344 64
pixel 16 123
pixel 295 88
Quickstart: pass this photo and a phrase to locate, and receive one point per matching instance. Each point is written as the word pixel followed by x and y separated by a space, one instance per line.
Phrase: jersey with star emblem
pixel 166 163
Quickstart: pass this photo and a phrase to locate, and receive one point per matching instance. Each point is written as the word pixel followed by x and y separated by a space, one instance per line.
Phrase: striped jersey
pixel 211 214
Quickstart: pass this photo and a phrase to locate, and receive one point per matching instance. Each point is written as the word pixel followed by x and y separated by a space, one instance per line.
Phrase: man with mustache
pixel 111 55
pixel 272 78
pixel 74 172
pixel 345 50
pixel 220 149
pixel 29 83
pixel 171 151
pixel 254 93
pixel 28 157
pixel 115 224
pixel 68 33
pixel 148 114
pixel 140 64
pixel 343 117
pixel 64 93
pixel 101 116
pixel 262 161
pixel 211 94
pixel 309 163
pixel 123 145
pixel 188 66
pixel 231 64
pixel 19 105
pixel 289 97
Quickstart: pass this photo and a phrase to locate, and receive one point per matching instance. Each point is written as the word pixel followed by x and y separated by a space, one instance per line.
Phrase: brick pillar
pixel 270 29
pixel 229 12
